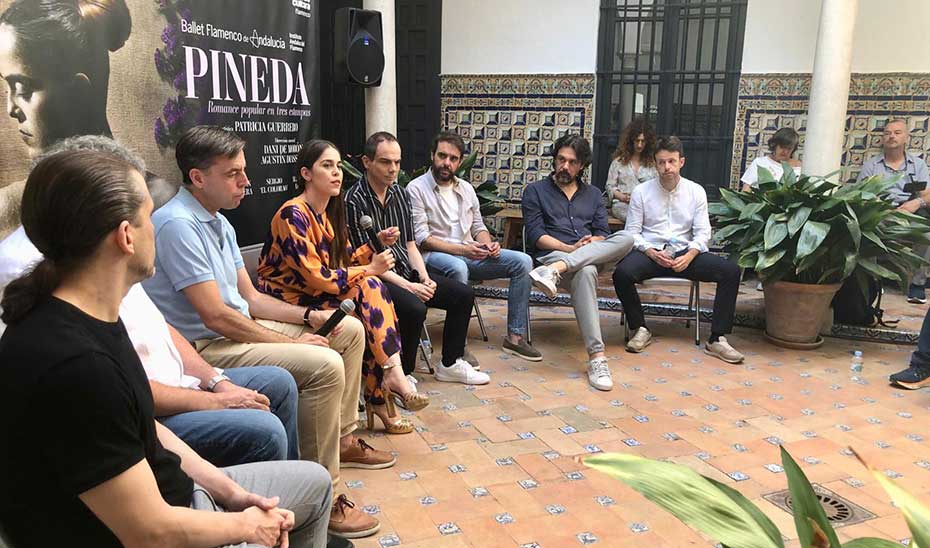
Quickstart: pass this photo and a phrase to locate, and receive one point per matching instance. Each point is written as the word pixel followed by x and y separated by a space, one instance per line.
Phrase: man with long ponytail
pixel 83 459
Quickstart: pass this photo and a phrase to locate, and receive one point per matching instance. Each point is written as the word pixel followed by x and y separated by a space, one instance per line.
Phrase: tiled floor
pixel 492 466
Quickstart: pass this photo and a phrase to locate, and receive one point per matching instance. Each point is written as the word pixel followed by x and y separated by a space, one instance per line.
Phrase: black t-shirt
pixel 76 411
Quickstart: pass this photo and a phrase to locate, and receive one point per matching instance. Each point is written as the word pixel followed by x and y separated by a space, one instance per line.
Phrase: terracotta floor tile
pixel 671 402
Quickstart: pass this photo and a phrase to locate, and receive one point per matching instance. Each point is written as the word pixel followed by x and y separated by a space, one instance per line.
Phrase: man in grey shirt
pixel 896 160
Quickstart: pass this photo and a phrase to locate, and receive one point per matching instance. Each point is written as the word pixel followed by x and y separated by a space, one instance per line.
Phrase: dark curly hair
pixel 625 148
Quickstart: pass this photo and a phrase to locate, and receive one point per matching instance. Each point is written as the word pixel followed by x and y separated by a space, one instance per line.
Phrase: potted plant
pixel 805 236
pixel 725 515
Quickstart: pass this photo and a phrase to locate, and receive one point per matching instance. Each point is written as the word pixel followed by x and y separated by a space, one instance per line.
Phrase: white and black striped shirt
pixel 361 200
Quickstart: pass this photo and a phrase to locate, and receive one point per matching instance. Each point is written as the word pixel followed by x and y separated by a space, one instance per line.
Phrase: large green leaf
pixel 751 211
pixel 852 225
pixel 812 235
pixel 872 237
pixel 877 269
pixel 769 258
pixel 851 259
pixel 732 199
pixel 871 542
pixel 727 231
pixel 763 175
pixel 805 505
pixel 797 220
pixel 350 170
pixel 775 232
pixel 773 533
pixel 688 496
pixel 916 514
pixel 466 165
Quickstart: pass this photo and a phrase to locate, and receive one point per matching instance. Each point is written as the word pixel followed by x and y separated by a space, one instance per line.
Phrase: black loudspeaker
pixel 358 52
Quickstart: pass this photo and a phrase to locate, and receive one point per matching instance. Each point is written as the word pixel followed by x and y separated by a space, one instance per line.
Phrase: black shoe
pixel 912 378
pixel 916 294
pixel 338 542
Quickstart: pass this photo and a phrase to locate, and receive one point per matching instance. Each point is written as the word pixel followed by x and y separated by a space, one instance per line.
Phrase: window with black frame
pixel 677 63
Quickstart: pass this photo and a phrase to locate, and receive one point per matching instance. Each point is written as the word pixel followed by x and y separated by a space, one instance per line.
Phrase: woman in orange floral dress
pixel 308 261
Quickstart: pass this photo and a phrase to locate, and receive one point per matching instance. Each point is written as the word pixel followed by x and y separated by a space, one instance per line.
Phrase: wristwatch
pixel 216 380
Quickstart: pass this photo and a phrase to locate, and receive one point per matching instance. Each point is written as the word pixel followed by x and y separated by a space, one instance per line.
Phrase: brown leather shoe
pixel 347 521
pixel 362 455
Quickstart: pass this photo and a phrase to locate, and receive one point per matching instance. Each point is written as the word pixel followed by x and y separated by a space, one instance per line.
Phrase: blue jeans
pixel 227 437
pixel 510 264
pixel 921 357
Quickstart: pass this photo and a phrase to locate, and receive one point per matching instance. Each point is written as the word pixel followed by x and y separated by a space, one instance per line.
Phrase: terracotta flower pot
pixel 794 312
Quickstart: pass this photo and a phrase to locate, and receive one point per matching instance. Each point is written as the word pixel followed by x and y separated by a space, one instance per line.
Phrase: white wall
pixel 891 36
pixel 519 36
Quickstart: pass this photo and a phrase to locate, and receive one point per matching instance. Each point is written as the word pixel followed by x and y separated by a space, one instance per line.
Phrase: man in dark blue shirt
pixel 566 225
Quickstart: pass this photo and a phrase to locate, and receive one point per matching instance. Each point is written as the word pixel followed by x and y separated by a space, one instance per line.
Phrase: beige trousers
pixel 328 381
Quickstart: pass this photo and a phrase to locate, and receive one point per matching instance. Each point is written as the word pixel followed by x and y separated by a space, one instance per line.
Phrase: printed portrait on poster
pixel 143 71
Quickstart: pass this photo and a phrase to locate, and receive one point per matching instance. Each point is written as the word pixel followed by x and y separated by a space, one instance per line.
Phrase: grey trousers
pixel 304 487
pixel 581 277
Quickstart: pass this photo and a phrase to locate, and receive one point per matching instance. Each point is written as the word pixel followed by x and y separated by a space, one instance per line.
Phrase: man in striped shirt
pixel 412 289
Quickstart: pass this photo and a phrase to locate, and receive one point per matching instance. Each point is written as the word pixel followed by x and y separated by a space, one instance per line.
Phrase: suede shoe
pixel 362 455
pixel 641 339
pixel 347 521
pixel 522 349
pixel 722 350
pixel 912 378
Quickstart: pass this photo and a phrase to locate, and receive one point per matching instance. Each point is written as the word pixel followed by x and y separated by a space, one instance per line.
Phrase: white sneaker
pixel 461 371
pixel 599 374
pixel 722 350
pixel 641 339
pixel 413 382
pixel 546 280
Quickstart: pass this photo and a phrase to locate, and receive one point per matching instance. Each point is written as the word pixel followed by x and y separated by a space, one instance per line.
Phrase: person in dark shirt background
pixel 566 225
pixel 83 460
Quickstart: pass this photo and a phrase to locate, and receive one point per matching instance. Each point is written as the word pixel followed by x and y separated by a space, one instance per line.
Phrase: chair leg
pixel 529 328
pixel 696 288
pixel 426 347
pixel 626 327
pixel 484 332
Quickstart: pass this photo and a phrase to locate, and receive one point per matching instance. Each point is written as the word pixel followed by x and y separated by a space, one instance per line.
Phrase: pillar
pixel 381 101
pixel 826 115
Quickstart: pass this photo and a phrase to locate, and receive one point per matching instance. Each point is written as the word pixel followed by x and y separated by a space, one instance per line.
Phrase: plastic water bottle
pixel 855 366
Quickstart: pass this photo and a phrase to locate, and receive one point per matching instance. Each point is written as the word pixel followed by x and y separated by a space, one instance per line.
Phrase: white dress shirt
pixel 17 255
pixel 151 339
pixel 145 325
pixel 679 218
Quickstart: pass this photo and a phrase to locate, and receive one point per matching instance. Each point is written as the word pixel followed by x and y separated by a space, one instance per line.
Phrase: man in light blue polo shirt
pixel 203 289
pixel 909 194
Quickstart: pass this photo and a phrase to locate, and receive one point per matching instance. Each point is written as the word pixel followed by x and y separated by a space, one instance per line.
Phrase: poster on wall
pixel 143 71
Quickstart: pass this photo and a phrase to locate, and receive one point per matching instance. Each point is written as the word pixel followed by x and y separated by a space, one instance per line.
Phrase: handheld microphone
pixel 346 307
pixel 368 225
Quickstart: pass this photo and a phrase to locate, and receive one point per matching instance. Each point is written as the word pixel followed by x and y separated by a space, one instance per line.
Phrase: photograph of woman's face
pixel 46 107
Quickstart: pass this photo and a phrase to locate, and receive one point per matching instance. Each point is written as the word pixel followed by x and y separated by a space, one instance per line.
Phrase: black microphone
pixel 346 307
pixel 369 227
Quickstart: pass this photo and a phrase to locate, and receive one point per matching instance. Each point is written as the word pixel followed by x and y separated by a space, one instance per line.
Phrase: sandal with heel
pixel 402 426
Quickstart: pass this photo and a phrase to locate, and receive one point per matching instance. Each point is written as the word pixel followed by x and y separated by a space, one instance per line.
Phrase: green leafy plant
pixel 728 517
pixel 488 198
pixel 811 230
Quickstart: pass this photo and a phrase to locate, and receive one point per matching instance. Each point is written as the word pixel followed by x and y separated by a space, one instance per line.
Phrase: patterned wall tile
pixel 513 121
pixel 768 102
